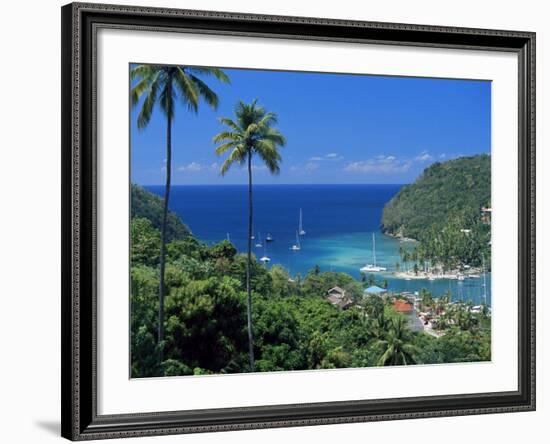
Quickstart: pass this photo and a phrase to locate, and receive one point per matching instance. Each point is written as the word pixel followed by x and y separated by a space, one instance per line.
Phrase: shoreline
pixel 472 273
pixel 399 237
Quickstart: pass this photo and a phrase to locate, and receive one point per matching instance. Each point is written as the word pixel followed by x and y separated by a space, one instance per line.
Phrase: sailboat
pixel 484 281
pixel 269 238
pixel 265 259
pixel 373 267
pixel 259 243
pixel 301 230
pixel 296 246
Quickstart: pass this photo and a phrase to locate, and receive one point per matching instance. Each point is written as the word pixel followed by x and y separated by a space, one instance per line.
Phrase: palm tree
pixel 251 133
pixel 426 299
pixel 396 346
pixel 164 85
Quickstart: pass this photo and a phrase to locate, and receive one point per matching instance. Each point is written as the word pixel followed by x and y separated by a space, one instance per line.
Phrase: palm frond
pixel 250 132
pixel 231 124
pixel 205 92
pixel 269 155
pixel 238 155
pixel 225 147
pixel 275 136
pixel 386 357
pixel 189 92
pixel 272 166
pixel 138 90
pixel 205 71
pixel 227 136
pixel 268 120
pixel 166 99
pixel 143 71
pixel 146 111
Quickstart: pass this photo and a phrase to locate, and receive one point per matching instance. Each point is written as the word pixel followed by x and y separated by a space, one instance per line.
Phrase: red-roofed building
pixel 402 306
pixel 406 308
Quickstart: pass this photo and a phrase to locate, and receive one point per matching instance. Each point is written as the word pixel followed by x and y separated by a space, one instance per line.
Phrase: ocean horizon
pixel 338 219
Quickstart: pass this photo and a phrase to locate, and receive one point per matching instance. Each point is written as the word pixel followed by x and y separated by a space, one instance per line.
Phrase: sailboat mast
pixel 373 251
pixel 300 224
pixel 484 280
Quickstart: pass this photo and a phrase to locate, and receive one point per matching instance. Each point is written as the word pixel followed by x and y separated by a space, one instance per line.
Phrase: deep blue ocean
pixel 338 219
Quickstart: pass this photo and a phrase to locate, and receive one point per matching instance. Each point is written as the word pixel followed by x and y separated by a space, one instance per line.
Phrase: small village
pixel 422 312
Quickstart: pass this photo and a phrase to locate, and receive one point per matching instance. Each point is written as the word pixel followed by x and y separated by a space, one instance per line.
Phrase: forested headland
pixel 443 210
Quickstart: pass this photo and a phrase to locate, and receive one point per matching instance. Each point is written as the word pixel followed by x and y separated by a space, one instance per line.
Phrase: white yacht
pixel 301 230
pixel 373 267
pixel 296 246
pixel 259 243
pixel 265 258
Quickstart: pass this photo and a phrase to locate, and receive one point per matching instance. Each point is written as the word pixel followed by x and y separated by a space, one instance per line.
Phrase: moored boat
pixel 301 230
pixel 369 268
pixel 296 246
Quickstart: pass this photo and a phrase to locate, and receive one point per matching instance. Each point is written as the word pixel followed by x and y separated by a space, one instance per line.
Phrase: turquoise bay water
pixel 338 219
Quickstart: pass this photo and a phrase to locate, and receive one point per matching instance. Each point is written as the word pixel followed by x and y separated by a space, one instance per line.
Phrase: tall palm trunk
pixel 248 264
pixel 163 234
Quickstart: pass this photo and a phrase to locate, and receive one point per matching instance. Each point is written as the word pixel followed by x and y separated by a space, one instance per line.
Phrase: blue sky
pixel 339 128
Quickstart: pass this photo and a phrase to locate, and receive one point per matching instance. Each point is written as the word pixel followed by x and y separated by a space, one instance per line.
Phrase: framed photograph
pixel 281 221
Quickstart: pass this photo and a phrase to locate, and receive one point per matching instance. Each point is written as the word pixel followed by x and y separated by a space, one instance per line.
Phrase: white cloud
pixel 388 164
pixel 195 167
pixel 308 167
pixel 442 156
pixel 311 166
pixel 379 164
pixel 329 156
pixel 424 156
pixel 192 167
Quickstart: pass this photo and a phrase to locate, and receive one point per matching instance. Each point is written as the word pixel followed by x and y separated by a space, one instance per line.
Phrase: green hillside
pixel 149 206
pixel 444 190
pixel 441 209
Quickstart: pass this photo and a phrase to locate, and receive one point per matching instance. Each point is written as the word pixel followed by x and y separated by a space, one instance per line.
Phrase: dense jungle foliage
pixel 295 327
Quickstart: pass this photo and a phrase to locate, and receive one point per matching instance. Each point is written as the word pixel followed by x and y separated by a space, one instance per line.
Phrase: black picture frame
pixel 80 420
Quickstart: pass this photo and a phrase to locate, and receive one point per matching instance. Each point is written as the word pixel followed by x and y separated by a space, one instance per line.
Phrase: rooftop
pixel 374 289
pixel 402 306
pixel 336 290
pixel 341 302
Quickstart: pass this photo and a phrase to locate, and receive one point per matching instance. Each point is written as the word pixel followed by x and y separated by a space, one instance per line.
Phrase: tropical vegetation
pixel 295 327
pixel 442 210
pixel 251 134
pixel 163 86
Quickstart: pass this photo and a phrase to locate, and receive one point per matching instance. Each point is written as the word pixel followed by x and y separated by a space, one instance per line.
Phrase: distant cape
pixel 444 189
